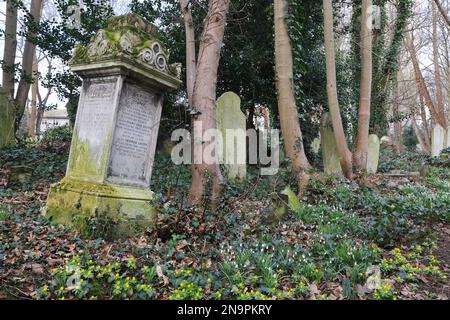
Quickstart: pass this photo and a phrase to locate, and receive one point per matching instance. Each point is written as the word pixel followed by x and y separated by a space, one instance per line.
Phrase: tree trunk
pixel 290 126
pixel 437 72
pixel 33 111
pixel 398 131
pixel 204 98
pixel 333 103
pixel 9 53
pixel 423 116
pixel 444 14
pixel 27 65
pixel 360 154
pixel 190 49
pixel 423 143
pixel 420 82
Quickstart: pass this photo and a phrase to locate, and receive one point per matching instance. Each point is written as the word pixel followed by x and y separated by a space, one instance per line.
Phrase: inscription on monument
pixel 135 126
pixel 94 121
pixel 95 118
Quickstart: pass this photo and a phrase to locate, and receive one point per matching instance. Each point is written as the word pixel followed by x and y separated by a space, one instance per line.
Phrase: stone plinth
pixel 125 73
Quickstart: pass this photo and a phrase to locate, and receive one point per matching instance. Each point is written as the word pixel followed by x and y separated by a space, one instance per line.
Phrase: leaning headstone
pixel 331 160
pixel 231 123
pixel 437 140
pixel 373 154
pixel 125 74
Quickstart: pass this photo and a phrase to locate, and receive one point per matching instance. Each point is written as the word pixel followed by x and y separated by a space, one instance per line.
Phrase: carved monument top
pixel 129 38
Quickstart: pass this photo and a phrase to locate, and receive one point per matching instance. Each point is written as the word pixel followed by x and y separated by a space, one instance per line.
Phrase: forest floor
pixel 375 238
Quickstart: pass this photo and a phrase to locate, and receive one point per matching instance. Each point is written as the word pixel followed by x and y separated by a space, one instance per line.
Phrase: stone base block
pixel 100 210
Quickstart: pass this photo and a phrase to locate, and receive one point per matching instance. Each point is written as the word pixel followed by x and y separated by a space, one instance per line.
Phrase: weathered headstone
pixel 385 140
pixel 447 138
pixel 373 154
pixel 6 120
pixel 125 73
pixel 437 140
pixel 231 123
pixel 315 145
pixel 331 160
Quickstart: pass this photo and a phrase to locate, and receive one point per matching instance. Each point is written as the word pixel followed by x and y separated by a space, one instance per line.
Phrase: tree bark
pixel 9 53
pixel 204 98
pixel 190 49
pixel 27 65
pixel 423 116
pixel 333 103
pixel 398 131
pixel 425 147
pixel 360 154
pixel 420 82
pixel 437 72
pixel 290 126
pixel 34 87
pixel 443 13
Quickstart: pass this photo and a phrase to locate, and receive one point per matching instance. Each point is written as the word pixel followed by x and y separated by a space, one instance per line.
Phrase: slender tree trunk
pixel 420 82
pixel 204 98
pixel 423 143
pixel 398 132
pixel 360 154
pixel 33 111
pixel 333 103
pixel 190 48
pixel 27 65
pixel 9 53
pixel 437 72
pixel 444 14
pixel 290 126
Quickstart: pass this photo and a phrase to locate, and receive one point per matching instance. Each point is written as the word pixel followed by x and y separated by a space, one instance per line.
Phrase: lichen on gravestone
pixel 129 38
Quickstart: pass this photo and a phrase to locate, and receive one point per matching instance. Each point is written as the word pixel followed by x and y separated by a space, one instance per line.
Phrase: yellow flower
pixel 61 288
pixel 209 280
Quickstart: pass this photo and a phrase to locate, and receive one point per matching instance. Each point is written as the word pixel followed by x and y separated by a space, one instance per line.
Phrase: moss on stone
pixel 107 43
pixel 6 120
pixel 78 204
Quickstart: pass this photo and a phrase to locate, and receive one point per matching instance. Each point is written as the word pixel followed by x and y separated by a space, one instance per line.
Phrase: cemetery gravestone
pixel 447 138
pixel 231 123
pixel 125 73
pixel 331 160
pixel 315 145
pixel 6 120
pixel 373 154
pixel 437 140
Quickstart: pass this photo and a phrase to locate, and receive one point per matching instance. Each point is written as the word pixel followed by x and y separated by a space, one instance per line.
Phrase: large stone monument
pixel 330 156
pixel 125 73
pixel 437 140
pixel 373 154
pixel 230 122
